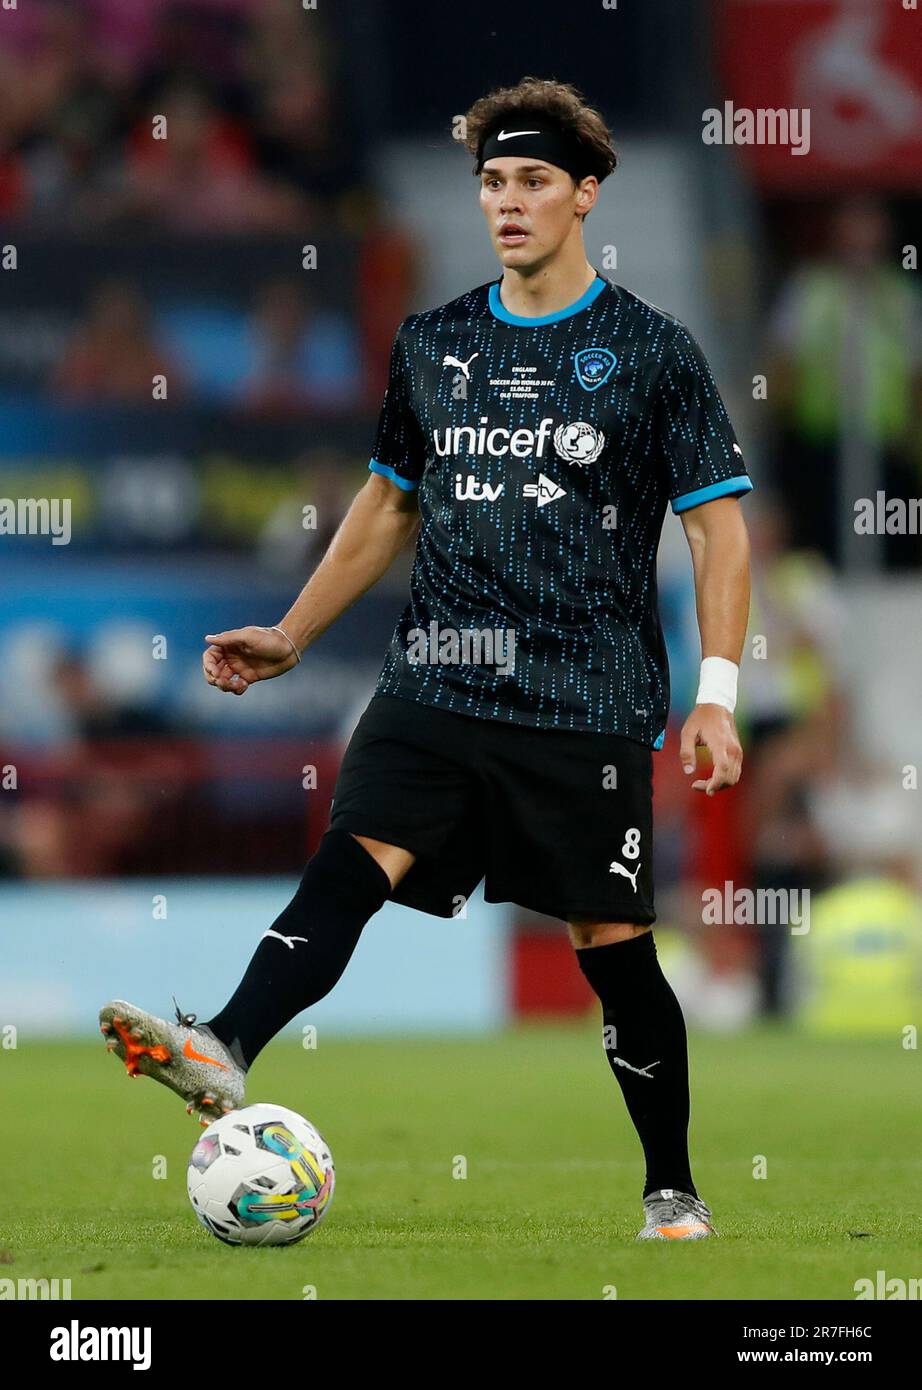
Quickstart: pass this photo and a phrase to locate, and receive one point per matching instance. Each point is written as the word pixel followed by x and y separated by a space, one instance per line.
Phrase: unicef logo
pixel 579 442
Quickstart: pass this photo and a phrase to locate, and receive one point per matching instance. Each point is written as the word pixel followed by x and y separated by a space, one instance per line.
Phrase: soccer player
pixel 535 429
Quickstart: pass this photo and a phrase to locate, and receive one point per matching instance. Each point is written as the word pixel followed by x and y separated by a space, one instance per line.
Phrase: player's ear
pixel 587 191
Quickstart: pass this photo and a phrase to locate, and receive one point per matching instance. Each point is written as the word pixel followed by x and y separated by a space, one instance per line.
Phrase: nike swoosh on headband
pixel 511 134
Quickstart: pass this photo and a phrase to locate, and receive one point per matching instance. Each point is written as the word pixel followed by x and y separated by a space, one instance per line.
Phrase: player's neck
pixel 547 290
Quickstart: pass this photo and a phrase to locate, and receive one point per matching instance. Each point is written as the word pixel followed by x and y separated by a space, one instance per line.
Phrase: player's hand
pixel 238 658
pixel 712 727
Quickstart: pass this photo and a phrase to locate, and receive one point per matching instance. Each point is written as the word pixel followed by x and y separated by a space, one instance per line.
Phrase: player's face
pixel 530 209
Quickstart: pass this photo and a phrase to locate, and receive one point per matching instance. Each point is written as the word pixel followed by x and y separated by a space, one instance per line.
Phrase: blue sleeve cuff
pixel 727 487
pixel 386 472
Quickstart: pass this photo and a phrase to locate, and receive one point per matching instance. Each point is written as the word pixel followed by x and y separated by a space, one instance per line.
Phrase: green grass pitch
pixel 551 1201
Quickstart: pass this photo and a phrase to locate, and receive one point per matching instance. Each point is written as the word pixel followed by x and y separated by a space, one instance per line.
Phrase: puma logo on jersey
pixel 616 868
pixel 464 367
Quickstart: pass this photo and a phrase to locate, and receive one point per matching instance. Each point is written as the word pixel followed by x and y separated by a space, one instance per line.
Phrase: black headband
pixel 535 139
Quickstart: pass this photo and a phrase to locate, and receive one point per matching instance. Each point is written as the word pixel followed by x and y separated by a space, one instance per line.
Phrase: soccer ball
pixel 261 1176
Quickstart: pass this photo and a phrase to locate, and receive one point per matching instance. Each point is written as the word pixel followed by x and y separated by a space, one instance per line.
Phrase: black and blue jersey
pixel 545 451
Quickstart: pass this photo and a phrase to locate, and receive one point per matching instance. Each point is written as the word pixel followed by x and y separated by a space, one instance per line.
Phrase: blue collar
pixel 499 310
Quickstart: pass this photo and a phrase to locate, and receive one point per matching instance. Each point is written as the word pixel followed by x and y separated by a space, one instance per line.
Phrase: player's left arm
pixel 719 544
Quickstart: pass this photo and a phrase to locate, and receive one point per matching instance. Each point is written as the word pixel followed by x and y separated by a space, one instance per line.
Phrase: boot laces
pixel 185 1020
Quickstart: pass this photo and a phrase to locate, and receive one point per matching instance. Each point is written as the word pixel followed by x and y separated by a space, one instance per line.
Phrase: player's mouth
pixel 511 234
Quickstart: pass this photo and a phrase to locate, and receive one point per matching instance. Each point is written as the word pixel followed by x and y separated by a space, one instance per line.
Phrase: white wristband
pixel 717 682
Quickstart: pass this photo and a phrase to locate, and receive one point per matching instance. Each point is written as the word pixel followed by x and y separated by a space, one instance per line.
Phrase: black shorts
pixel 555 820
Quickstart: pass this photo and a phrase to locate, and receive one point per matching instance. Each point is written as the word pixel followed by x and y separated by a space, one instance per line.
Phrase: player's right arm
pixel 382 518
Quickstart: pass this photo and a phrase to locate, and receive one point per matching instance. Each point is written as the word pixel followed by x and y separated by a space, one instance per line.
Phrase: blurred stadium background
pixel 149 828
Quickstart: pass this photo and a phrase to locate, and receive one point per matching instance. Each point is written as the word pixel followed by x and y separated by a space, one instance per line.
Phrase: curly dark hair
pixel 558 101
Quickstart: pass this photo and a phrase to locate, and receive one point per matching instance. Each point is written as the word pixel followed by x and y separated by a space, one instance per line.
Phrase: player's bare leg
pixel 585 931
pixel 393 860
pixel 644 1040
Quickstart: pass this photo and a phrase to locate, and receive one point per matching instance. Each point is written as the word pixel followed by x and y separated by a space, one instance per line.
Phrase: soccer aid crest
pixel 579 442
pixel 593 367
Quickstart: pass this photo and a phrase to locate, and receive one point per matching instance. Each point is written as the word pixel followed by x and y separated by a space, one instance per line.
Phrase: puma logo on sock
pixel 288 940
pixel 640 1071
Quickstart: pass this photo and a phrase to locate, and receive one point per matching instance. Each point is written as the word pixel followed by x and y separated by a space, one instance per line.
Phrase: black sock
pixel 643 1027
pixel 340 889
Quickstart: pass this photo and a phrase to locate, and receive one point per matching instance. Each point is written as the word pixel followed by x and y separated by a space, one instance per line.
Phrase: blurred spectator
pixel 862 958
pixel 299 356
pixel 846 344
pixel 11 863
pixel 297 137
pixel 46 56
pixel 263 146
pixel 13 195
pixel 202 177
pixel 55 113
pixel 124 35
pixel 91 710
pixel 114 356
pixel 88 825
pixel 184 37
pixel 793 718
pixel 323 480
pixel 71 172
pixel 100 796
pixel 388 276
